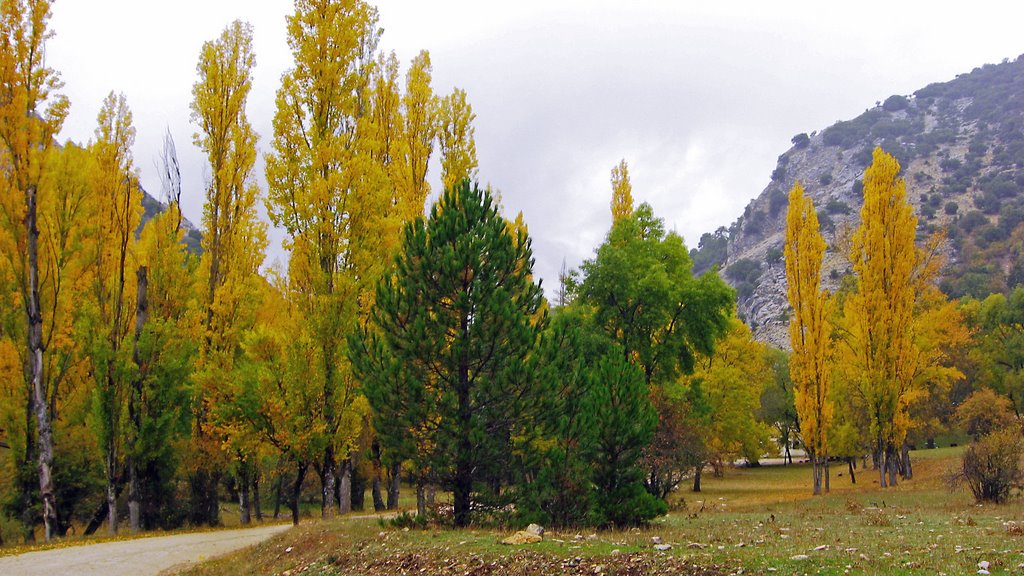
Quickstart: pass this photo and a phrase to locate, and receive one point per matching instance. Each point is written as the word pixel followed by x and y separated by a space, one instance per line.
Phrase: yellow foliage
pixel 622 192
pixel 809 329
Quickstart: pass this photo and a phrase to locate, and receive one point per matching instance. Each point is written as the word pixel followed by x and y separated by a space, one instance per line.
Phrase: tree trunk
pixel 293 502
pixel 378 470
pixel 327 480
pixel 358 487
pixel 463 484
pixel 277 495
pixel 850 462
pixel 244 510
pixel 421 500
pixel 816 472
pixel 134 399
pixel 907 469
pixel 345 487
pixel 394 484
pixel 891 464
pixel 879 459
pixel 431 494
pixel 828 480
pixel 35 352
pixel 257 504
pixel 696 477
pixel 111 458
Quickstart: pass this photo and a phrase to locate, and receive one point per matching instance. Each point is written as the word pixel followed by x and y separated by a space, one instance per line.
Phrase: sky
pixel 699 98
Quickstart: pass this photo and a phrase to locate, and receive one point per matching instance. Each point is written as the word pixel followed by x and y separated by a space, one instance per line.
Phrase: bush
pixel 992 468
pixel 951 208
pixel 801 140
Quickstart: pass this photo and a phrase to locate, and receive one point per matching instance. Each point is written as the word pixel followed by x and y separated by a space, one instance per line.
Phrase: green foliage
pixel 447 351
pixel 711 250
pixel 801 140
pixel 646 298
pixel 625 427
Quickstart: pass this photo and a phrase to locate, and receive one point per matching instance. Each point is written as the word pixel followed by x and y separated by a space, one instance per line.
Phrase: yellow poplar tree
pixel 31 115
pixel 117 202
pixel 456 139
pixel 234 241
pixel 809 330
pixel 325 190
pixel 622 192
pixel 879 316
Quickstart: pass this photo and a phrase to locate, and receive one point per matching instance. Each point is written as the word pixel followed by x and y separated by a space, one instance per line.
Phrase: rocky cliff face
pixel 961 147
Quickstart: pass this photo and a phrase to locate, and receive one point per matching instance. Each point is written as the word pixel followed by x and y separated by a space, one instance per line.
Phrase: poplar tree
pixel 31 116
pixel 809 330
pixel 110 308
pixel 456 139
pixel 451 336
pixel 880 314
pixel 233 243
pixel 622 192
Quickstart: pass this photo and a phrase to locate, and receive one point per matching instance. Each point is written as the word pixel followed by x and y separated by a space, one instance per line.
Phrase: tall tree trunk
pixel 421 499
pixel 907 470
pixel 293 502
pixel 378 470
pixel 696 477
pixel 358 487
pixel 134 401
pixel 256 494
pixel 892 466
pixel 277 495
pixel 244 509
pixel 327 480
pixel 463 451
pixel 394 484
pixel 111 458
pixel 828 481
pixel 850 462
pixel 35 352
pixel 879 459
pixel 345 487
pixel 816 472
pixel 431 494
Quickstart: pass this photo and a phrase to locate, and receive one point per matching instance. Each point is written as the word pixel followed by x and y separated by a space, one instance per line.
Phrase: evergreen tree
pixel 452 333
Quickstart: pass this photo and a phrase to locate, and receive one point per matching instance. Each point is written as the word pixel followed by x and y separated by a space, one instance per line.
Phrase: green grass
pixel 762 520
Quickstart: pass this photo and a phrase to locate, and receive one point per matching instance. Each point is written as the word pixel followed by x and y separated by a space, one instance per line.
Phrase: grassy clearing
pixel 757 520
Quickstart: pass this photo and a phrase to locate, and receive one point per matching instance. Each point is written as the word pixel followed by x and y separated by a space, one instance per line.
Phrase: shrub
pixel 985 412
pixel 951 208
pixel 991 467
pixel 801 140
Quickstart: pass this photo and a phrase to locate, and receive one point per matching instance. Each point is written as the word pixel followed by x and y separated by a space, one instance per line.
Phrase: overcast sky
pixel 700 98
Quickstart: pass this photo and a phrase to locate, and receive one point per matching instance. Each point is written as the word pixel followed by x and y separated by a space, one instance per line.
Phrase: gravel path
pixel 142 557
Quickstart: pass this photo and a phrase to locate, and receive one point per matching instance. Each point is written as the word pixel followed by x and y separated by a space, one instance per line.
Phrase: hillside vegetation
pixel 961 146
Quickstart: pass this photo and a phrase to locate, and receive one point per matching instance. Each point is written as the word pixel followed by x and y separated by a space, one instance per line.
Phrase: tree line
pixel 396 345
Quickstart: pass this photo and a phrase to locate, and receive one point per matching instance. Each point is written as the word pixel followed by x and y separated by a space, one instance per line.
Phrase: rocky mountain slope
pixel 961 146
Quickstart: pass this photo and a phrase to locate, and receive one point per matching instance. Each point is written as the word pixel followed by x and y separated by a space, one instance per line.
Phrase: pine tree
pixel 809 330
pixel 449 341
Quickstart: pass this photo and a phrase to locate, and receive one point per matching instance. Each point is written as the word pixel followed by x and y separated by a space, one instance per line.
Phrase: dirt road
pixel 142 557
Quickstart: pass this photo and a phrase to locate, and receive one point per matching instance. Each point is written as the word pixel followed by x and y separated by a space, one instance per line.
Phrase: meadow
pixel 750 521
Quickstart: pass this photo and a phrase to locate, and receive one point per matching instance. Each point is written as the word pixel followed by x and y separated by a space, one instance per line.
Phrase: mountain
pixel 151 207
pixel 961 146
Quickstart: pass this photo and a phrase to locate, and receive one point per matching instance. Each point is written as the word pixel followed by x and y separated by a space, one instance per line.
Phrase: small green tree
pixel 454 328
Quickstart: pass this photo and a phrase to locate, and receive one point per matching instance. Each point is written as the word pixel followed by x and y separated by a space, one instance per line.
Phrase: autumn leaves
pixel 863 355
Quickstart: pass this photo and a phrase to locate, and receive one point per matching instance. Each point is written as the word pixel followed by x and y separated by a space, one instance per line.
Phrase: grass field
pixel 752 520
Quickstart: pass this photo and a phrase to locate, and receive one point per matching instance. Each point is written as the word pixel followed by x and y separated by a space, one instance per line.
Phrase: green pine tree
pixel 444 362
